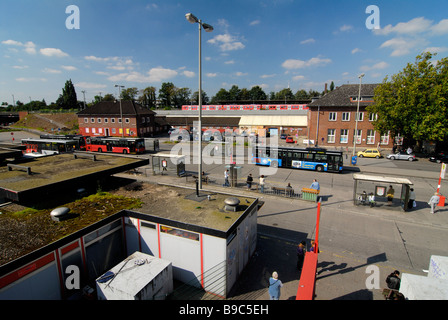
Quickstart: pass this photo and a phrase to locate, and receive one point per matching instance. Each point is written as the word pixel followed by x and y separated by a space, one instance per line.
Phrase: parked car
pixel 402 155
pixel 289 139
pixel 441 157
pixel 283 136
pixel 370 153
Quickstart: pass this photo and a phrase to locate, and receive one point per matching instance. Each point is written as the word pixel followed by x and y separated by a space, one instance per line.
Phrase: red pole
pixel 316 245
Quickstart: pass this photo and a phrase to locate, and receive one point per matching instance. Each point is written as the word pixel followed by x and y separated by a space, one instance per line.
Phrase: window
pixel 119 120
pixel 99 120
pixel 126 120
pixel 384 138
pixel 360 116
pixel 370 136
pixel 92 120
pixel 106 120
pixel 344 136
pixel 112 120
pixel 358 136
pixel 345 116
pixel 373 116
pixel 180 233
pixel 86 120
pixel 87 130
pixel 331 136
pixel 332 116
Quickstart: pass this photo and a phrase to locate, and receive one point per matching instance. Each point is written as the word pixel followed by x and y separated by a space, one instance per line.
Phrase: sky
pixel 275 44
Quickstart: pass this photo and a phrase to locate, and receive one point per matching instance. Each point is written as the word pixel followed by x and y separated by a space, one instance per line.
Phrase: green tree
pixel 68 99
pixel 414 102
pixel 221 96
pixel 285 94
pixel 148 97
pixel 129 93
pixel 234 93
pixel 166 94
pixel 257 93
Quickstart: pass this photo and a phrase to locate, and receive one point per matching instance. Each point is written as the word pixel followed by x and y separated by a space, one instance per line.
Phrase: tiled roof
pixel 113 108
pixel 340 97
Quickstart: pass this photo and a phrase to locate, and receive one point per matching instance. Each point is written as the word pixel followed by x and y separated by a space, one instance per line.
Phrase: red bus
pixel 116 145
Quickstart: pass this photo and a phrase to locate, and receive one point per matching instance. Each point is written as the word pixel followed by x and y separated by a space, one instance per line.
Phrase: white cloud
pixel 402 46
pixel 356 50
pixel 69 68
pixel 297 78
pixel 53 52
pixel 229 62
pixel 299 64
pixel 20 67
pixel 264 76
pixel 240 74
pixel 307 41
pixel 377 66
pixel 30 79
pixel 89 85
pixel 436 49
pixel 412 27
pixel 440 28
pixel 48 70
pixel 254 23
pixel 188 74
pixel 345 28
pixel 211 75
pixel 158 74
pixel 226 42
pixel 29 47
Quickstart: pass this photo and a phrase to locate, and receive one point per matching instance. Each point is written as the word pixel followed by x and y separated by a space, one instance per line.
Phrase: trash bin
pixel 354 159
pixel 441 201
pixel 309 194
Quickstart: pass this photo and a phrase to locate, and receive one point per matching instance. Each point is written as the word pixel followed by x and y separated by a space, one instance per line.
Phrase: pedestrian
pixel 289 190
pixel 434 201
pixel 315 185
pixel 262 182
pixel 249 181
pixel 393 281
pixel 274 286
pixel 411 203
pixel 226 178
pixel 371 199
pixel 390 194
pixel 301 249
pixel 313 246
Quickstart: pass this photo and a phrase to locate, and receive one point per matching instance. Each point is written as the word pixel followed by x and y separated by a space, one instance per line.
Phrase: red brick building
pixel 105 119
pixel 332 119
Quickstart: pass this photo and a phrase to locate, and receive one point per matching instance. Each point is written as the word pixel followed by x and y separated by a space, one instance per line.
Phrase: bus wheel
pixel 125 151
pixel 319 168
pixel 100 150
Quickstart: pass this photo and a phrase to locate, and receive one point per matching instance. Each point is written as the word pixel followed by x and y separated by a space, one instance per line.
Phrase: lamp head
pixel 207 27
pixel 191 18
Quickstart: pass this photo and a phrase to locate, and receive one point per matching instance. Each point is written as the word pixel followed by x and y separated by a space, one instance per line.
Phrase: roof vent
pixel 231 204
pixel 59 214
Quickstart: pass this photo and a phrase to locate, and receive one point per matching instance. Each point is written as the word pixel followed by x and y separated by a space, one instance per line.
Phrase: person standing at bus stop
pixel 262 182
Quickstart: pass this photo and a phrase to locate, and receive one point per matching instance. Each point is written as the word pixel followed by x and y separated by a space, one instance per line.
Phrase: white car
pixel 402 155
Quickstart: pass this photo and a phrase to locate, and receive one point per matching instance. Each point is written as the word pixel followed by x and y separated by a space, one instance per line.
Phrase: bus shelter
pixel 381 191
pixel 166 163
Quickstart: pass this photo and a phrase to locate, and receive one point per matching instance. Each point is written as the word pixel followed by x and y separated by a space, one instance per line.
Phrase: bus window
pixel 308 156
pixel 320 157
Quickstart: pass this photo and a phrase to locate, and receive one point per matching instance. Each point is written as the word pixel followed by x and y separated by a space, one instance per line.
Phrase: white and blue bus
pixel 317 159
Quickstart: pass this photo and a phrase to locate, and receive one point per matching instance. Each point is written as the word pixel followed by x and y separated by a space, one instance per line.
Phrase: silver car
pixel 402 155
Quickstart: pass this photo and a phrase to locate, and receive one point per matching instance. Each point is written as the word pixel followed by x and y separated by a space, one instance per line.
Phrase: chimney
pixel 325 91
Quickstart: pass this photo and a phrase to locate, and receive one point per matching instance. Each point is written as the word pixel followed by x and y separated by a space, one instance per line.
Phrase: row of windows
pixel 112 120
pixel 333 116
pixel 344 136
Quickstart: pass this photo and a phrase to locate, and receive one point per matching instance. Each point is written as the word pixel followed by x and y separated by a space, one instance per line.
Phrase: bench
pixel 204 179
pixel 84 156
pixel 310 194
pixel 19 167
pixel 286 191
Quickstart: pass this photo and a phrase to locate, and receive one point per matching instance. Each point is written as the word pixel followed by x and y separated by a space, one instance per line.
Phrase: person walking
pixel 315 185
pixel 274 286
pixel 249 181
pixel 226 178
pixel 434 201
pixel 262 182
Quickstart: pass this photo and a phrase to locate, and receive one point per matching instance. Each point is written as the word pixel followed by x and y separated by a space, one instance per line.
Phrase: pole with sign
pixel 442 176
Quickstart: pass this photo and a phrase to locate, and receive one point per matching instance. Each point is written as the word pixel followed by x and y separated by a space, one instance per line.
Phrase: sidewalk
pixel 340 274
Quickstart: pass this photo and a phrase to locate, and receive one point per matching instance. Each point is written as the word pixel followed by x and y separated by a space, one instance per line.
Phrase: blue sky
pixel 273 44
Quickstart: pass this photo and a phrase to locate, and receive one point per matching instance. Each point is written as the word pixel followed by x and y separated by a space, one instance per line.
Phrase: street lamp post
pixel 208 28
pixel 355 136
pixel 121 110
